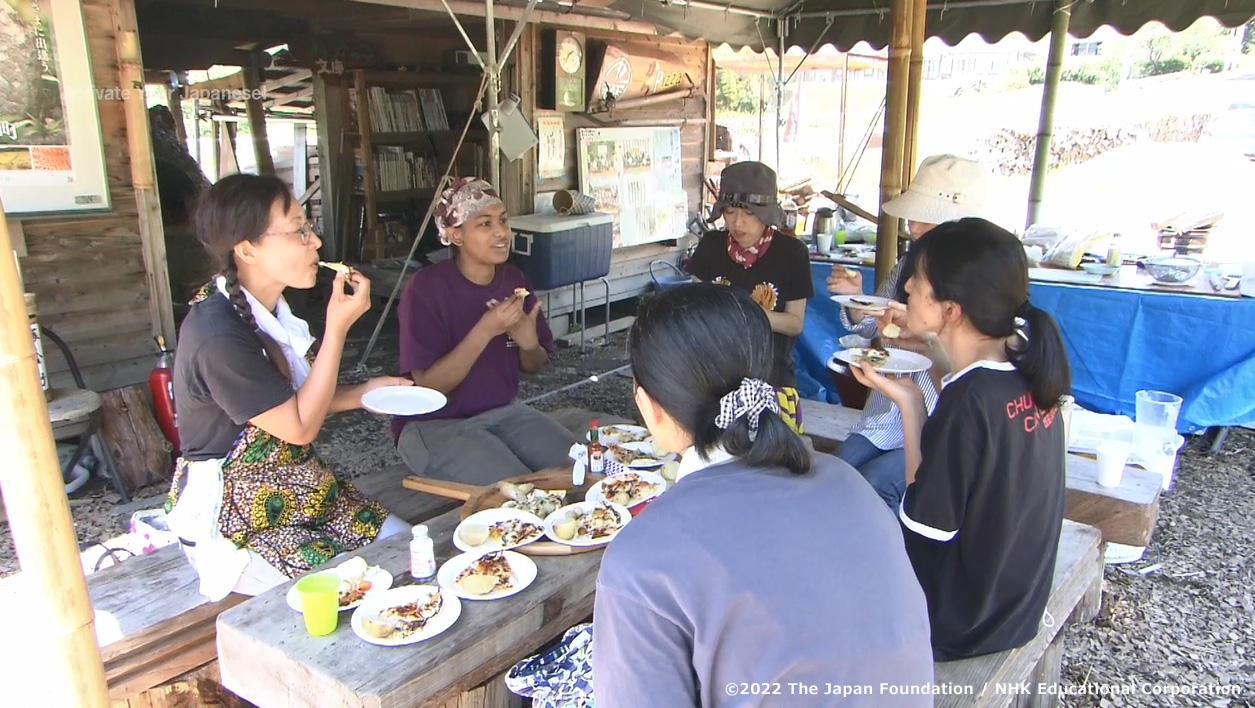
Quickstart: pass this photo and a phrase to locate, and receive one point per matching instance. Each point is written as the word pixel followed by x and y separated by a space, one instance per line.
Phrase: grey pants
pixel 492 446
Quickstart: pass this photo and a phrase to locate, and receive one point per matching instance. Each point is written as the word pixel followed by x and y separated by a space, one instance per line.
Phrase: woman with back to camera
pixel 983 508
pixel 251 499
pixel 760 564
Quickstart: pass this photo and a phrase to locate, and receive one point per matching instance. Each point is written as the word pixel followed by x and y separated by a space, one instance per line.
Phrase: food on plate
pixel 526 497
pixel 601 522
pixel 865 303
pixel 514 532
pixel 876 357
pixel 670 471
pixel 565 530
pixel 627 457
pixel 623 435
pixel 473 535
pixel 627 489
pixel 488 573
pixel 353 582
pixel 766 295
pixel 892 331
pixel 337 267
pixel 405 620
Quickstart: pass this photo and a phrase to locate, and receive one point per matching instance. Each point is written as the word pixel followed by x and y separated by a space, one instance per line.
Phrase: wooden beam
pixel 335 165
pixel 895 130
pixel 915 86
pixel 297 77
pixel 39 513
pixel 143 169
pixel 1046 124
pixel 547 17
pixel 283 99
pixel 257 123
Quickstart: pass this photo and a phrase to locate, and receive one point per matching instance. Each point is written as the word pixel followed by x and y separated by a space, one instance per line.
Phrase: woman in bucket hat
pixel 945 188
pixel 750 254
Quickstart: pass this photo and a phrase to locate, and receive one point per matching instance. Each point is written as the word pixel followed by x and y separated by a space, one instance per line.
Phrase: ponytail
pixel 702 353
pixel 1043 360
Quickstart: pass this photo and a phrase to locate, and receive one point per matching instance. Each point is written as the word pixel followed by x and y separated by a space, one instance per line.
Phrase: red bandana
pixel 747 257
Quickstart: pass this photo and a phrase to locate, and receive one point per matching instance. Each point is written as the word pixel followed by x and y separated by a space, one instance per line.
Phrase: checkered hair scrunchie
pixel 749 400
pixel 465 197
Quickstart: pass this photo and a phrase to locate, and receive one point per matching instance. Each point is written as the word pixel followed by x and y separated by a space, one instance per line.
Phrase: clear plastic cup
pixel 320 602
pixel 1157 451
pixel 1158 409
pixel 1112 456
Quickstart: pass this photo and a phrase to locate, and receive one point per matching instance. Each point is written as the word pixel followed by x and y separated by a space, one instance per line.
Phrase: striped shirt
pixel 881 423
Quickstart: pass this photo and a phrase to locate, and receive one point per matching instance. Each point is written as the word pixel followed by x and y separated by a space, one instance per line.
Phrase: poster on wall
pixel 51 159
pixel 551 155
pixel 634 174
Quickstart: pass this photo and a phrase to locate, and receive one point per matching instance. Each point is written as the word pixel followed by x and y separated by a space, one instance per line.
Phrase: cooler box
pixel 555 251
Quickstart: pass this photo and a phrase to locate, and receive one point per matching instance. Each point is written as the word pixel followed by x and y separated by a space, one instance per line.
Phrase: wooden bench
pixel 827 424
pixel 997 679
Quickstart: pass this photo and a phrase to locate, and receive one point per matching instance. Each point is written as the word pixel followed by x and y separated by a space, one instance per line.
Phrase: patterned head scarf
pixel 464 198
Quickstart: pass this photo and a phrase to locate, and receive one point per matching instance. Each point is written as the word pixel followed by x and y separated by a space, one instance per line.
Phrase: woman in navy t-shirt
pixel 983 508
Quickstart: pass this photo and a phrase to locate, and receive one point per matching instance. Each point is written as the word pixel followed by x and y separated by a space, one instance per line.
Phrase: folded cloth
pixel 560 677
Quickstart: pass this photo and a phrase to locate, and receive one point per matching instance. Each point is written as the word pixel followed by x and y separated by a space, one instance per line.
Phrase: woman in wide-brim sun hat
pixel 945 188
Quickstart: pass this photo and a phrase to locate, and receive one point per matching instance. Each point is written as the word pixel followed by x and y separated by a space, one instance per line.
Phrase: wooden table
pixel 266 656
pixel 1130 278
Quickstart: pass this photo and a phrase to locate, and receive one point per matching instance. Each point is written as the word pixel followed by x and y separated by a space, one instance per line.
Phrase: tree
pixel 736 94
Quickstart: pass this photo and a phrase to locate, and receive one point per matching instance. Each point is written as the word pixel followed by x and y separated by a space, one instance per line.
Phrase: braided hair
pixel 235 209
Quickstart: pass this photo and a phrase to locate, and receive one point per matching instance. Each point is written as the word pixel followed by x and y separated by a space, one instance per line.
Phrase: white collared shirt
pixel 691 461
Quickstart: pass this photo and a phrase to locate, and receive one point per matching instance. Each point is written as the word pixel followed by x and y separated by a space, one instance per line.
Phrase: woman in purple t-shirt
pixel 469 325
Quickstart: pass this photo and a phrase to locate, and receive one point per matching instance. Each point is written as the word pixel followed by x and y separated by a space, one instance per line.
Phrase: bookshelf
pixel 403 128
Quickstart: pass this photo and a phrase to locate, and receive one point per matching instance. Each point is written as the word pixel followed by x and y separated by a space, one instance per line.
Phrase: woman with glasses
pixel 252 502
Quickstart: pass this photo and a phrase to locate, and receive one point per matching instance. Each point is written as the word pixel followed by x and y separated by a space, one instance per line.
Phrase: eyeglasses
pixel 306 232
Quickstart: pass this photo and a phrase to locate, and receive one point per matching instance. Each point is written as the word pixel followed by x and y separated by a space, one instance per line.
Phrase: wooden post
pixel 518 178
pixel 895 130
pixel 1046 125
pixel 915 86
pixel 368 162
pixel 39 513
pixel 143 169
pixel 176 111
pixel 257 120
pixel 335 166
pixel 216 148
pixel 300 158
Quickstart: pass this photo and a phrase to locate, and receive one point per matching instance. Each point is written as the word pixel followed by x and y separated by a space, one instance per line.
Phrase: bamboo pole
pixel 1046 124
pixel 915 87
pixel 845 83
pixel 39 514
pixel 895 131
pixel 257 121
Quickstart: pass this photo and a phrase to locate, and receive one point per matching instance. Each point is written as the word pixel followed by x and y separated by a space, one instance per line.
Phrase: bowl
pixel 1172 269
pixel 1100 268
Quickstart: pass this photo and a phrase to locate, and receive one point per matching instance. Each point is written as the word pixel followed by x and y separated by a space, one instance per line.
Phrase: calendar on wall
pixel 634 174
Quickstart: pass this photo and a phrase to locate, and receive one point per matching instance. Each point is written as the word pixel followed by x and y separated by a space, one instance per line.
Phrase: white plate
pixel 900 361
pixel 609 433
pixel 486 518
pixel 655 460
pixel 585 506
pixel 449 612
pixel 524 574
pixel 380 580
pixel 866 303
pixel 403 400
pixel 595 493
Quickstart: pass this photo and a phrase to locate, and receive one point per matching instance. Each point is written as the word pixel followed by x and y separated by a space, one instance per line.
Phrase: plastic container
pixel 1112 457
pixel 320 602
pixel 1157 409
pixel 555 251
pixel 422 555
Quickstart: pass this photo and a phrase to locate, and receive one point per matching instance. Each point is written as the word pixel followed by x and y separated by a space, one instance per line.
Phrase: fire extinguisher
pixel 161 385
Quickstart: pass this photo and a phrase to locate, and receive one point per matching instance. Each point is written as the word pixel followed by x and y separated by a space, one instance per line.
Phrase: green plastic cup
pixel 840 237
pixel 320 602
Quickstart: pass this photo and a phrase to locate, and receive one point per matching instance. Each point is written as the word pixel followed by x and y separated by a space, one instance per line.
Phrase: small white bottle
pixel 422 555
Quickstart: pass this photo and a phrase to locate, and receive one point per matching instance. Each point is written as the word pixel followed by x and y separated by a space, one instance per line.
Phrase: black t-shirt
pixel 222 378
pixel 785 267
pixel 983 517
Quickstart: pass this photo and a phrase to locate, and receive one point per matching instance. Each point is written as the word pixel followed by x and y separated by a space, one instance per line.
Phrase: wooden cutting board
pixel 490 497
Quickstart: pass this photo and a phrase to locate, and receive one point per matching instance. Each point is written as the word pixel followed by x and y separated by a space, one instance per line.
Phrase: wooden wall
pixel 88 271
pixel 629 272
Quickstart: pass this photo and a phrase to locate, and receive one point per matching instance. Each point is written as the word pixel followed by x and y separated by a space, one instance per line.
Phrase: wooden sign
pixel 635 71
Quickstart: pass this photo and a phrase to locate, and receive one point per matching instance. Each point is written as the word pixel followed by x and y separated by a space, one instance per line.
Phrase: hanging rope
pixel 431 209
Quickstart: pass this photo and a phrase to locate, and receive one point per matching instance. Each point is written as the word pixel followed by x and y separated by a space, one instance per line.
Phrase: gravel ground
pixel 1181 618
